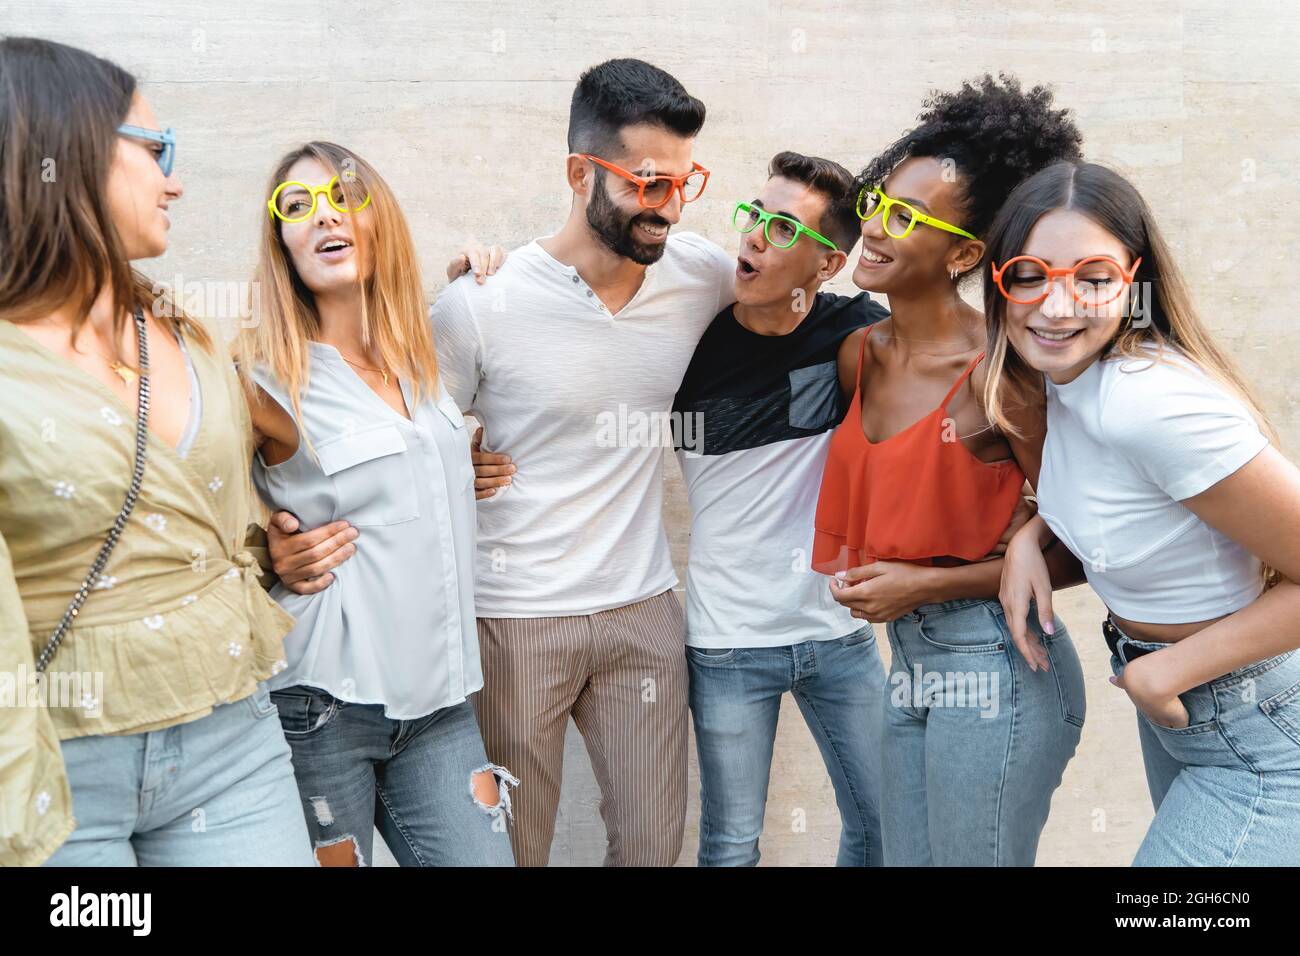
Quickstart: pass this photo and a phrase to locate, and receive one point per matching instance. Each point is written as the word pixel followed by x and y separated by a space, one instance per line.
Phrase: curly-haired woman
pixel 919 489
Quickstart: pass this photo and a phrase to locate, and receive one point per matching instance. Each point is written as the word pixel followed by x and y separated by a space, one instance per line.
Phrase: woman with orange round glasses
pixel 1160 474
pixel 919 492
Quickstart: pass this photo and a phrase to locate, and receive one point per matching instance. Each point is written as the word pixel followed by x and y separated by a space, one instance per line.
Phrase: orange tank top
pixel 913 496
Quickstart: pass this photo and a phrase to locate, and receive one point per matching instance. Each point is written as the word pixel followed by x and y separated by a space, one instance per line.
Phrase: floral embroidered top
pixel 178 621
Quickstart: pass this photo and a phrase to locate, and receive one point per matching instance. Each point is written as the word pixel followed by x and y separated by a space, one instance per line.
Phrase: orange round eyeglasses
pixel 1097 280
pixel 655 191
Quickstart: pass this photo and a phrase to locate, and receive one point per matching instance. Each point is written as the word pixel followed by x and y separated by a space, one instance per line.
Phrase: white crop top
pixel 1127 442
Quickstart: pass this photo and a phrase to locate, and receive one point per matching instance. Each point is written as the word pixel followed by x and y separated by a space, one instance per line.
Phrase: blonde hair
pixel 394 308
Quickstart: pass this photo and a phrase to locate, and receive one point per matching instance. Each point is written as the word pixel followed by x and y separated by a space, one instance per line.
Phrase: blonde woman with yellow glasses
pixel 355 426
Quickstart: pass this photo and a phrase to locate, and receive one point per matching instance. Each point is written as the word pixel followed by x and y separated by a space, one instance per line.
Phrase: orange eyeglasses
pixel 1097 280
pixel 655 191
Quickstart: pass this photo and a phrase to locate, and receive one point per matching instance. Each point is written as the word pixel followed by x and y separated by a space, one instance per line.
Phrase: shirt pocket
pixel 372 476
pixel 814 396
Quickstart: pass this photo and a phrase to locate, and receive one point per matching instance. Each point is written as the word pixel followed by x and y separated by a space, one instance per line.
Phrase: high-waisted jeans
pixel 1226 788
pixel 216 791
pixel 974 742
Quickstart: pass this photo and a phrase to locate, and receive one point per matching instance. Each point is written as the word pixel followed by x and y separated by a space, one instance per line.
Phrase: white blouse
pixel 397 625
pixel 1127 442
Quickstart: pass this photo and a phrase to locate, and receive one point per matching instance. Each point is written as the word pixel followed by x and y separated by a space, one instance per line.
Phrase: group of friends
pixel 397 635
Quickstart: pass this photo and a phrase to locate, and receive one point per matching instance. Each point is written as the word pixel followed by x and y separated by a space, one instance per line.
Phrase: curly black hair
pixel 996 135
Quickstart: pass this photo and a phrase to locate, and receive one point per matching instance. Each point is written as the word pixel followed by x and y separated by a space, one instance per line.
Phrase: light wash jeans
pixel 735 699
pixel 358 770
pixel 974 741
pixel 1226 788
pixel 217 791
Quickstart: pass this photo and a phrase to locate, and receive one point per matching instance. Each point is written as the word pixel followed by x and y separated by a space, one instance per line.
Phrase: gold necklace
pixel 127 373
pixel 381 371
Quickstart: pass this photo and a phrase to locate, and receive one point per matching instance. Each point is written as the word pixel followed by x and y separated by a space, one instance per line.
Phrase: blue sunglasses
pixel 167 137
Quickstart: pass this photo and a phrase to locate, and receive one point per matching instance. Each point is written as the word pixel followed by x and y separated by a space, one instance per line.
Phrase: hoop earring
pixel 952 274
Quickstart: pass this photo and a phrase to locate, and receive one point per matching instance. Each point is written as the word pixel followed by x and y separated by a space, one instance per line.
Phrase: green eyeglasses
pixel 900 218
pixel 781 232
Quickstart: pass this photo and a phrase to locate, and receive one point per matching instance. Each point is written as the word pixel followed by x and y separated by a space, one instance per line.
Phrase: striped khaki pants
pixel 621 673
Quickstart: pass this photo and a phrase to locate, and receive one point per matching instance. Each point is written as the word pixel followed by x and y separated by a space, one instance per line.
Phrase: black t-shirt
pixel 753 390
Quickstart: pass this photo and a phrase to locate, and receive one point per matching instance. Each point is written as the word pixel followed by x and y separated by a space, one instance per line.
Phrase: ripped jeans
pixel 417 781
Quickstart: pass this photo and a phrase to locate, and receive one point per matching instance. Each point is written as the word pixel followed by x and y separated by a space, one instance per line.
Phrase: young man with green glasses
pixel 759 621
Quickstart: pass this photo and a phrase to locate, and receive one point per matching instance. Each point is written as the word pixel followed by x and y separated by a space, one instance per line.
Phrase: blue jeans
pixel 974 741
pixel 217 791
pixel 413 779
pixel 735 699
pixel 1226 788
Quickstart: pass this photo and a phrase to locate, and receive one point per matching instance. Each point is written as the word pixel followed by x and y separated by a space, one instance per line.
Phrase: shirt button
pixel 589 293
pixel 575 278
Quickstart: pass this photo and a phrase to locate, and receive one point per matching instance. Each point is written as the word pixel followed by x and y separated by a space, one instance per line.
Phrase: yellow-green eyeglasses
pixel 900 218
pixel 295 202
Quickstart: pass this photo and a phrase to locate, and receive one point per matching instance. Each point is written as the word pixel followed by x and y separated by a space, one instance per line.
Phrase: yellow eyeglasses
pixel 293 201
pixel 900 218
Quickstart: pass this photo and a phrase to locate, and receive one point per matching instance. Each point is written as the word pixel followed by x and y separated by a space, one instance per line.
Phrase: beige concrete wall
pixel 462 106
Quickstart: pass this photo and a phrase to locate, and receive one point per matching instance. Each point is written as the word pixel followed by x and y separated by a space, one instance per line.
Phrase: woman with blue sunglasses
pixel 124 456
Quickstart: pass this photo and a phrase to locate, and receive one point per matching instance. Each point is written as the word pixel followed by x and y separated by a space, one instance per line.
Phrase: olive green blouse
pixel 178 621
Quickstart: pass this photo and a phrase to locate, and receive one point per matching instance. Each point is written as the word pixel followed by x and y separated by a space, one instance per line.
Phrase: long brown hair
pixel 1113 203
pixel 394 309
pixel 1174 325
pixel 59 112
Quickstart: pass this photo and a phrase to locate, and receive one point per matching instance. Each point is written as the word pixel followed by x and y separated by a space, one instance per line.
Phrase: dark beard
pixel 614 228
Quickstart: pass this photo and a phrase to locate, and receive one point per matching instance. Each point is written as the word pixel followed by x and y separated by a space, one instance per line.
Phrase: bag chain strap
pixel 119 523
